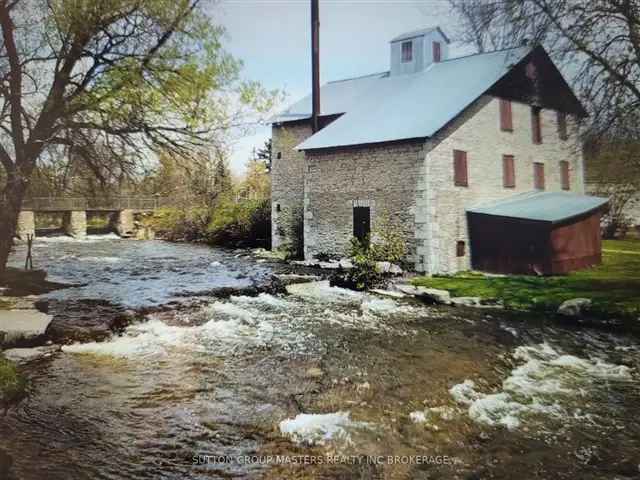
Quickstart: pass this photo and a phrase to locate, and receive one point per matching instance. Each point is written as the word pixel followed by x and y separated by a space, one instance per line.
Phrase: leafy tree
pixel 264 153
pixel 109 82
pixel 256 184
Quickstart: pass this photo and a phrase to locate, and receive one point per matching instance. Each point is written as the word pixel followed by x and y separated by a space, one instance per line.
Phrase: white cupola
pixel 414 51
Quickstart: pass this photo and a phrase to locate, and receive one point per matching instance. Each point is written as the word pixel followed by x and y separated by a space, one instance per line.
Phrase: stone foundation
pixel 75 223
pixel 124 223
pixel 26 224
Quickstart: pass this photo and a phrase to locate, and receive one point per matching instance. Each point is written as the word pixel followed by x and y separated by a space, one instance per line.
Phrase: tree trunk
pixel 10 206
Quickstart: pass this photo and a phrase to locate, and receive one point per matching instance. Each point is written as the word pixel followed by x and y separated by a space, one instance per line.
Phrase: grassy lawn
pixel 613 286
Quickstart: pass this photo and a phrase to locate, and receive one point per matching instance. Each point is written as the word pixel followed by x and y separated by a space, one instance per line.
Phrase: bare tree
pixel 597 41
pixel 111 81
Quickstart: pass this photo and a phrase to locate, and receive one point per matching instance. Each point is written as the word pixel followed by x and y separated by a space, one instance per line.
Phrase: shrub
pixel 246 223
pixel 13 387
pixel 614 225
pixel 388 241
pixel 364 275
pixel 326 257
pixel 181 224
pixel 386 244
pixel 291 227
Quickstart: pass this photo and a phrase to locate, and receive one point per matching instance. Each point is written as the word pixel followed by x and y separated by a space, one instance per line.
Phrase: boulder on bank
pixel 467 301
pixel 23 326
pixel 293 278
pixel 25 355
pixel 19 282
pixel 574 308
pixel 432 296
pixel 389 268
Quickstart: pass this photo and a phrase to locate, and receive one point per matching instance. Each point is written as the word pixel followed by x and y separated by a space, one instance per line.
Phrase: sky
pixel 272 38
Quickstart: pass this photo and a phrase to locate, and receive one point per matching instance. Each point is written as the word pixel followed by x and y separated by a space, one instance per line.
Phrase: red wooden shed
pixel 544 233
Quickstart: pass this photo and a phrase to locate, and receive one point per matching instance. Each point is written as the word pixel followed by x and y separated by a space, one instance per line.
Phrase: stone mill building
pixel 443 146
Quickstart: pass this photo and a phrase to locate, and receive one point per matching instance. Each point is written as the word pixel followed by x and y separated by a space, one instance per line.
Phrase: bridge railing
pixel 54 204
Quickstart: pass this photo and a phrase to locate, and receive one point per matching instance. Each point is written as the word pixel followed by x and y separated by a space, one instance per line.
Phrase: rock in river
pixel 574 308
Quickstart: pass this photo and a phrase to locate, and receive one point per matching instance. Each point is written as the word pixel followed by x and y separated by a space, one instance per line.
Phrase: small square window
pixel 277 207
pixel 279 155
pixel 460 248
pixel 407 52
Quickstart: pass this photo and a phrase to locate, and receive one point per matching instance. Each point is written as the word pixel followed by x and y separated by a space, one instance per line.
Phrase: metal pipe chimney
pixel 315 65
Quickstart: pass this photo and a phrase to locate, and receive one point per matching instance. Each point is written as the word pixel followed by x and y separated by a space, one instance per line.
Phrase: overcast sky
pixel 272 38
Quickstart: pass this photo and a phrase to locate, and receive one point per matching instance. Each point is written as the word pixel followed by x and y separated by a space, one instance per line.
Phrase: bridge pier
pixel 75 223
pixel 124 224
pixel 26 224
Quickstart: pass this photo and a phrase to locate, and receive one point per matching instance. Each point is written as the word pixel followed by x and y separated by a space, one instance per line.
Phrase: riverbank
pixel 612 287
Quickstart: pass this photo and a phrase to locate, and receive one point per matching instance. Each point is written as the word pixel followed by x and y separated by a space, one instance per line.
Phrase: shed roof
pixel 550 207
pixel 400 107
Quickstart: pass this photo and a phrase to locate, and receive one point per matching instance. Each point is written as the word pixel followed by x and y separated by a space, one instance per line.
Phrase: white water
pixel 244 322
pixel 543 385
pixel 69 239
pixel 318 429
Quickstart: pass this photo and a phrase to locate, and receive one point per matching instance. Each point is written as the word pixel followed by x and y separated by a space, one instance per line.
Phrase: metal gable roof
pixel 335 98
pixel 550 207
pixel 419 33
pixel 402 107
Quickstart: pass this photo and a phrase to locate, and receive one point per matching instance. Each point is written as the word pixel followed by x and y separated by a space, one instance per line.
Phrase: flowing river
pixel 316 383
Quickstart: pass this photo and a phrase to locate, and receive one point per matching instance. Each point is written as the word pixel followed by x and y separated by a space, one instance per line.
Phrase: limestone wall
pixel 287 179
pixel 384 178
pixel 441 217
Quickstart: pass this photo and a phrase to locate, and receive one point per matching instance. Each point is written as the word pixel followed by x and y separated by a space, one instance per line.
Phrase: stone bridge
pixel 75 209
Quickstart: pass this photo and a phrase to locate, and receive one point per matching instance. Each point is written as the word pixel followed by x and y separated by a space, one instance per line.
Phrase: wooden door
pixel 361 223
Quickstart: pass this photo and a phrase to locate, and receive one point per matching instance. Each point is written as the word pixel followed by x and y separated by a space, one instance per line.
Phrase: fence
pixel 57 204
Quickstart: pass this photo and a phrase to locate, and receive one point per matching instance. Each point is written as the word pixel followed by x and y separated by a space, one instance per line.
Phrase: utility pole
pixel 315 64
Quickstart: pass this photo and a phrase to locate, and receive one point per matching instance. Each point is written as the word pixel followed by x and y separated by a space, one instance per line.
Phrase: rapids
pixel 400 390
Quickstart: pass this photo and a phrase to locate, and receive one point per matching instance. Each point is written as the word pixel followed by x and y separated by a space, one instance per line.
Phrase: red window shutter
pixel 564 175
pixel 562 126
pixel 508 171
pixel 437 53
pixel 506 122
pixel 536 125
pixel 538 176
pixel 460 177
pixel 407 52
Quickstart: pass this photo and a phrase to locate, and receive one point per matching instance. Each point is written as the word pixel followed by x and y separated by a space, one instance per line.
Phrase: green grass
pixel 13 386
pixel 613 286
